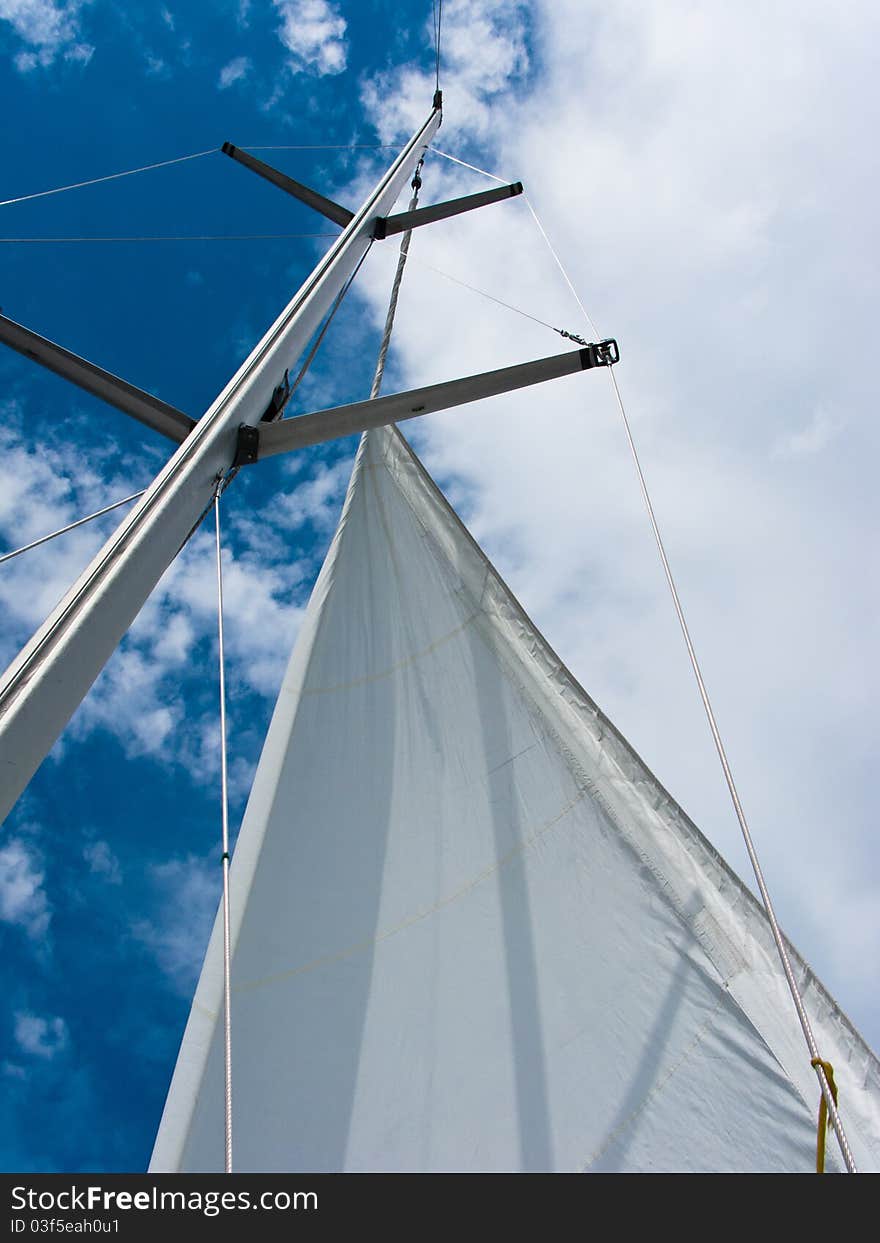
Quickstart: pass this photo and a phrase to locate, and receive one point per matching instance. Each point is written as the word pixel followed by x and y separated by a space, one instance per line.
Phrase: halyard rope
pixel 822 1068
pixel 224 858
pixel 395 288
pixel 822 1127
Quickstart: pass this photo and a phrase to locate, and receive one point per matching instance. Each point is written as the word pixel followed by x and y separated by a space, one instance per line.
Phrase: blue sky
pixel 691 174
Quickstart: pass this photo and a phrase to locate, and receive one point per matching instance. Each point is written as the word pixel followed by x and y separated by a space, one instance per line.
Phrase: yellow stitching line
pixel 401 664
pixel 350 950
pixel 658 1087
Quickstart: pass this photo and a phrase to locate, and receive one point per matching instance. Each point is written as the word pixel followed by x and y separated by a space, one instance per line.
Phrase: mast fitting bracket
pixel 247 447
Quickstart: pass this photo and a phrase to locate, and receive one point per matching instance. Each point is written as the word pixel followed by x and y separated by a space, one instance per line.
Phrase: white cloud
pixel 140 697
pixel 315 500
pixel 52 29
pixel 103 862
pixel 189 890
pixel 40 1037
pixel 23 900
pixel 484 52
pixel 234 72
pixel 816 435
pixel 156 66
pixel 313 31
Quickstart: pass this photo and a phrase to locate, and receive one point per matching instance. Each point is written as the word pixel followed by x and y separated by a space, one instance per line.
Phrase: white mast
pixel 44 685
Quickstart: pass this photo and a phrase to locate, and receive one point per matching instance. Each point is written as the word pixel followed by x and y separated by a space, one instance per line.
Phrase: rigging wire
pixel 341 146
pixel 825 1079
pixel 464 164
pixel 558 261
pixel 188 237
pixel 337 303
pixel 94 181
pixel 395 288
pixel 224 858
pixel 437 15
pixel 508 306
pixel 818 1065
pixel 7 556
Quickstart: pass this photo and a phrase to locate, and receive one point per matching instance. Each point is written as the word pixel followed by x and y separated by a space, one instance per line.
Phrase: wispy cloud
pixel 40 1037
pixel 102 862
pixel 484 52
pixel 23 899
pixel 313 31
pixel 144 695
pixel 234 72
pixel 50 29
pixel 188 891
pixel 817 434
pixel 315 500
pixel 156 66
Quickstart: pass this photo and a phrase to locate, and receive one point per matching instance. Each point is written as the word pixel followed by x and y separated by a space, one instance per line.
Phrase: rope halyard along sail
pixel 824 1121
pixel 395 288
pixel 224 857
pixel 829 1093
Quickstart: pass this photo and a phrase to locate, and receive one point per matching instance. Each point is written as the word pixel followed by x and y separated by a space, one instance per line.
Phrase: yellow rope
pixel 823 1113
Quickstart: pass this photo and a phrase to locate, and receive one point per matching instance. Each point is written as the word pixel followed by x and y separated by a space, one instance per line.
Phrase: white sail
pixel 471 930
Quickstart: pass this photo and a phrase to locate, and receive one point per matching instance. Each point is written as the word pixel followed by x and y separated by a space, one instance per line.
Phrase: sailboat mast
pixel 47 681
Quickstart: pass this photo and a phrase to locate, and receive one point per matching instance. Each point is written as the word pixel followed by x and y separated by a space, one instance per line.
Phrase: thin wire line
pixel 437 15
pixel 543 232
pixel 483 172
pixel 194 237
pixel 224 799
pixel 722 754
pixel 7 556
pixel 464 164
pixel 344 146
pixel 395 287
pixel 129 172
pixel 456 280
pixel 740 813
pixel 316 345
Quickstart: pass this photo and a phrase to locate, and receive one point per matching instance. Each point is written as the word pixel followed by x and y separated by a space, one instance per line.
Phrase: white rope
pixel 224 799
pixel 586 316
pixel 129 172
pixel 508 306
pixel 472 167
pixel 722 754
pixel 7 556
pixel 483 172
pixel 395 288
